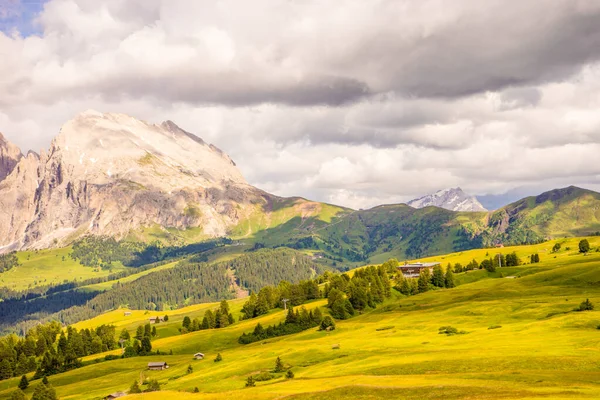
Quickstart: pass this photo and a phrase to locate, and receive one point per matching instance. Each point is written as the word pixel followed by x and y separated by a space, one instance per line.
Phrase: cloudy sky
pixel 351 102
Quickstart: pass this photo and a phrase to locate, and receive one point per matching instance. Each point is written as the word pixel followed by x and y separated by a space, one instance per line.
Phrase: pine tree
pixel 279 365
pixel 23 383
pixel 449 278
pixel 5 369
pixel 44 392
pixel 139 333
pixel 190 369
pixel 250 382
pixel 438 276
pixel 424 279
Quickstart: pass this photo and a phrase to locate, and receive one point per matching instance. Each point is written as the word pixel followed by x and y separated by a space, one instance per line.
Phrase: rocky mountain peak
pixel 9 157
pixel 454 199
pixel 111 174
pixel 107 146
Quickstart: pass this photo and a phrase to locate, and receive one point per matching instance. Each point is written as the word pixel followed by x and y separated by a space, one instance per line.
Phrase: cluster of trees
pixel 295 321
pixel 367 288
pixel 140 344
pixel 8 261
pixel 151 386
pixel 191 282
pixel 213 319
pixel 426 281
pixel 269 267
pixel 534 258
pixel 47 349
pixel 270 297
pixel 501 260
pixel 43 391
pixel 458 267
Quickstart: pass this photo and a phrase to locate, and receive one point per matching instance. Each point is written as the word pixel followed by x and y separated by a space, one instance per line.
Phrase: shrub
pixel 327 324
pixel 250 382
pixel 264 376
pixel 450 330
pixel 495 327
pixel 218 358
pixel 585 306
pixel 289 374
pixel 153 386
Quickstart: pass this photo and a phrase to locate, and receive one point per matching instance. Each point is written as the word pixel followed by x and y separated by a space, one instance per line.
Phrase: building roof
pixel 421 265
pixel 199 354
pixel 115 395
pixel 157 364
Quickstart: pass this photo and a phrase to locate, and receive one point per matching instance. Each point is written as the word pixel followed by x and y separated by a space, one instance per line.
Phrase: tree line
pixel 189 282
pixel 213 319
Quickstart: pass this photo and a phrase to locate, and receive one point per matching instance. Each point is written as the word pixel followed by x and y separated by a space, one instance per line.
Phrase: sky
pixel 351 102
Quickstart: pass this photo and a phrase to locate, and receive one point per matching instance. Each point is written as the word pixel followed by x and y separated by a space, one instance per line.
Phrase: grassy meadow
pixel 522 340
pixel 52 266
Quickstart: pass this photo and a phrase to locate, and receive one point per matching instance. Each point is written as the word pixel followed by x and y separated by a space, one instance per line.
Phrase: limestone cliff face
pixel 9 157
pixel 110 174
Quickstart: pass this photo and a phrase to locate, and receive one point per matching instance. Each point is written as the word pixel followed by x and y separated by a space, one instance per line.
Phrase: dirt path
pixel 239 292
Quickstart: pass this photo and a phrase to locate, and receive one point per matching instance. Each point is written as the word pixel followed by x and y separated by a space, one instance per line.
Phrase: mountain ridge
pixel 454 199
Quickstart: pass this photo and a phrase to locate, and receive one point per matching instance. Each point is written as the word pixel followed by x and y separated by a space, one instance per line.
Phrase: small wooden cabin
pixel 154 320
pixel 157 366
pixel 115 395
pixel 199 356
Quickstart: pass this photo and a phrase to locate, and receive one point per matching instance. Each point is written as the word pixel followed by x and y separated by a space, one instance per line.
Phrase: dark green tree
pixel 186 322
pixel 190 369
pixel 437 278
pixel 23 383
pixel 586 306
pixel 250 381
pixel 44 392
pixel 424 279
pixel 584 246
pixel 279 365
pixel 449 278
pixel 218 358
pixel 289 374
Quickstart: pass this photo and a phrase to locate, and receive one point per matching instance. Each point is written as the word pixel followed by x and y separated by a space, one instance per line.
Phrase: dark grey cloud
pixel 350 102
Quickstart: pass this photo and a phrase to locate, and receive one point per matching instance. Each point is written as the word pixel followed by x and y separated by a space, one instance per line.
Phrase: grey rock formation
pixel 110 174
pixel 9 157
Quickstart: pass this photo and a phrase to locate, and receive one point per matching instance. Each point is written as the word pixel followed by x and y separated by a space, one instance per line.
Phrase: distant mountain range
pixel 453 199
pixel 113 175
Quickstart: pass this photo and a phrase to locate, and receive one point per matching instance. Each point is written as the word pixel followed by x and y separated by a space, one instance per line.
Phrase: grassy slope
pixel 45 267
pixel 541 350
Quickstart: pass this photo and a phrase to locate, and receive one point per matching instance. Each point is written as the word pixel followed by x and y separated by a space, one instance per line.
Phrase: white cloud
pixel 357 103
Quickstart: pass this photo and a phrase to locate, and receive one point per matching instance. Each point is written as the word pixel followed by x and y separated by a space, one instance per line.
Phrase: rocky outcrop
pixel 9 157
pixel 110 174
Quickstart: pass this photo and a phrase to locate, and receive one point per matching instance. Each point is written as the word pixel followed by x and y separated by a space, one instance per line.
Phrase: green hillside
pixel 521 339
pixel 403 232
pixel 558 213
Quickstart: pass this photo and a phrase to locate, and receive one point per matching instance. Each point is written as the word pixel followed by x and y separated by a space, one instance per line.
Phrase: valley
pixel 521 339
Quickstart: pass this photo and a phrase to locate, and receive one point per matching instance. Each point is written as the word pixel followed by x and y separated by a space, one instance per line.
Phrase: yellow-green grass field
pixel 109 284
pixel 523 341
pixel 46 267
